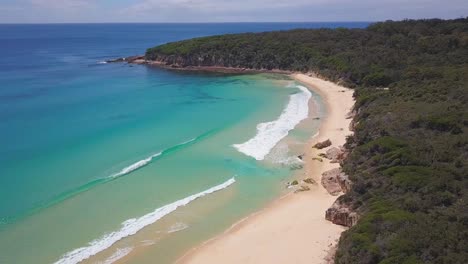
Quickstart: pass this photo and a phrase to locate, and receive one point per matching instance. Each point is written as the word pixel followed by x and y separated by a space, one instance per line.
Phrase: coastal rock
pixel 336 155
pixel 336 181
pixel 317 159
pixel 330 181
pixel 135 59
pixel 116 60
pixel 323 144
pixel 333 154
pixel 353 125
pixel 132 59
pixel 340 214
pixel 344 182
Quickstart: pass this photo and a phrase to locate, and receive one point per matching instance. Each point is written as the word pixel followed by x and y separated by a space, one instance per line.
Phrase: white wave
pixel 177 227
pixel 102 62
pixel 280 154
pixel 119 253
pixel 144 162
pixel 136 165
pixel 188 141
pixel 270 133
pixel 132 226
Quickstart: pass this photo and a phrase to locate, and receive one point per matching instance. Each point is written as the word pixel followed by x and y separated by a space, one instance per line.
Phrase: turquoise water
pixel 212 111
pixel 87 147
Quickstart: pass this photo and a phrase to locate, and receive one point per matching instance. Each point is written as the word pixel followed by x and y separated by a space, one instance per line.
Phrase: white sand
pixel 292 229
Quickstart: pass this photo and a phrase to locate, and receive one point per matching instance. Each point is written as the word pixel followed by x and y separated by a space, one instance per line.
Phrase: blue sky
pixel 61 11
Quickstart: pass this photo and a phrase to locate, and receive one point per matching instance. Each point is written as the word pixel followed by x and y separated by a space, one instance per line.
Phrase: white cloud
pixel 59 4
pixel 290 10
pixel 228 10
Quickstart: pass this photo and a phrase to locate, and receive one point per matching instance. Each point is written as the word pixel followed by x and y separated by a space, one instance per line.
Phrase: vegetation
pixel 409 159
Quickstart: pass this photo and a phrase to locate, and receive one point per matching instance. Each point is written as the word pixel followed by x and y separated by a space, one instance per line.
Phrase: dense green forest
pixel 409 158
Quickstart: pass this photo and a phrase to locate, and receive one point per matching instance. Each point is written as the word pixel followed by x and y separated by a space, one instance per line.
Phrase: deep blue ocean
pixel 85 146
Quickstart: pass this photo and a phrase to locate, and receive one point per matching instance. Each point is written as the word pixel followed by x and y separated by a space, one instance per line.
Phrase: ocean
pixel 101 163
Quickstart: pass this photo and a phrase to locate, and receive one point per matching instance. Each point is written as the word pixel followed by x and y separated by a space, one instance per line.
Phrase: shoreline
pixel 293 227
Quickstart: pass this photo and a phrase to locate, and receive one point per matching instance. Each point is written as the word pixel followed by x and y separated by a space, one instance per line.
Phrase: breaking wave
pixel 270 133
pixel 132 226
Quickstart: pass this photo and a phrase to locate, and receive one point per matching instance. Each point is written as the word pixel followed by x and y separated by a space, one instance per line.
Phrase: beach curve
pixel 293 228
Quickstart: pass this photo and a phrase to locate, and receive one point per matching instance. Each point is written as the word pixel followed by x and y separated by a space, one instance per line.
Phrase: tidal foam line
pixel 270 133
pixel 119 254
pixel 132 226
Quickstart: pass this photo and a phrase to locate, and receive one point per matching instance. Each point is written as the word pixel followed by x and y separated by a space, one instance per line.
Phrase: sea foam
pixel 136 165
pixel 179 226
pixel 132 226
pixel 119 253
pixel 146 161
pixel 270 133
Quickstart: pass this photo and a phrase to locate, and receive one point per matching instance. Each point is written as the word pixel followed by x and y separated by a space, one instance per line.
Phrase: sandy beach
pixel 292 229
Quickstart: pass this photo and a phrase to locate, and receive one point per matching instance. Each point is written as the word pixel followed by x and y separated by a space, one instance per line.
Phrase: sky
pixel 97 11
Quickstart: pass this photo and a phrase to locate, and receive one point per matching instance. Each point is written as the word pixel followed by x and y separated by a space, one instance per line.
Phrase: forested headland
pixel 409 158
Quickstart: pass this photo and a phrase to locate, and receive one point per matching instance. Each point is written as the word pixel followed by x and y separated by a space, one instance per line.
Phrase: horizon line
pixel 213 22
pixel 230 22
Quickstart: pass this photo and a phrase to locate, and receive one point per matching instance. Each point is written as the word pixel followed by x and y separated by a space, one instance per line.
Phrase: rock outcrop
pixel 336 181
pixel 323 144
pixel 344 182
pixel 336 155
pixel 340 214
pixel 350 114
pixel 330 181
pixel 139 59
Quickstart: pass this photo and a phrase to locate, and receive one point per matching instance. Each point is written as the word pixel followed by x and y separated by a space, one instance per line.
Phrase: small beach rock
pixel 323 144
pixel 330 181
pixel 318 159
pixel 340 214
pixel 292 184
pixel 301 157
pixel 323 155
pixel 316 118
